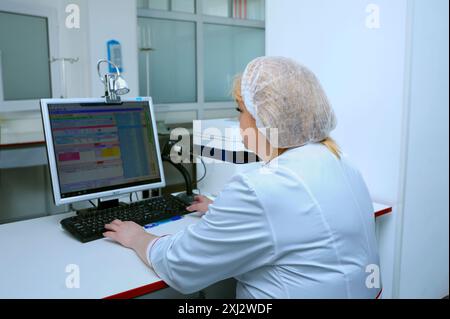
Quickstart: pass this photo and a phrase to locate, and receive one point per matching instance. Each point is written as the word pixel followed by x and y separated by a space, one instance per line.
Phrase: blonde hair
pixel 332 146
pixel 236 89
pixel 329 143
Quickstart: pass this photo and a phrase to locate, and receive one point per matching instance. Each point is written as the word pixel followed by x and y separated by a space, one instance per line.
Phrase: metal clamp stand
pixel 114 84
pixel 188 196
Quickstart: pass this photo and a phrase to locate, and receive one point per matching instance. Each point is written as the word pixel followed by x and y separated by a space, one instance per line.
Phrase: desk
pixel 35 254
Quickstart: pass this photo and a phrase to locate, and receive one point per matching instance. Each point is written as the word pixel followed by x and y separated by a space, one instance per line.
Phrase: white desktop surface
pixel 34 255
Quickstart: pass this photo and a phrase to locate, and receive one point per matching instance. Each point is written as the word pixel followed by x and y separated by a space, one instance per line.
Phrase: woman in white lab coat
pixel 302 226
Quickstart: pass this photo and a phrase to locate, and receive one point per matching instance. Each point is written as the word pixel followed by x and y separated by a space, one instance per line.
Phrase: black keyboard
pixel 90 224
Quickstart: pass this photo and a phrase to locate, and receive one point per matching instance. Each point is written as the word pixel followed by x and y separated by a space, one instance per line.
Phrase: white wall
pixel 365 73
pixel 424 263
pixel 108 20
pixel 361 70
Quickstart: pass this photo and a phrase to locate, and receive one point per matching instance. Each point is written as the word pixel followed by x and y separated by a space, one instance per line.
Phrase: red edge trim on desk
pixel 137 292
pixel 141 291
pixel 383 212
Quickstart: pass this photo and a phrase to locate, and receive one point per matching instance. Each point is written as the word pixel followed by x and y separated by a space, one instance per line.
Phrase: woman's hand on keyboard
pixel 130 235
pixel 200 205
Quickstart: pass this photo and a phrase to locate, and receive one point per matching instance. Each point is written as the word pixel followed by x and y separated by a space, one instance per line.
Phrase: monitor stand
pixel 101 205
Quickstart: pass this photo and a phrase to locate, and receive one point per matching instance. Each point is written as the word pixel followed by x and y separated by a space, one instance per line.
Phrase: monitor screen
pixel 99 147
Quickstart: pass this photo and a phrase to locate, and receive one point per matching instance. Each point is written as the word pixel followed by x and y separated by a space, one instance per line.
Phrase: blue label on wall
pixel 115 55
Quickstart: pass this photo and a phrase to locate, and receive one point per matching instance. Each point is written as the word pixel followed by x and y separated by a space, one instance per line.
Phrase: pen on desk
pixel 163 222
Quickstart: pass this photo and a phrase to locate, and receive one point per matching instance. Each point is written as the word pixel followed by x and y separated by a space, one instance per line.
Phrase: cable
pixel 92 203
pixel 204 168
pixel 166 157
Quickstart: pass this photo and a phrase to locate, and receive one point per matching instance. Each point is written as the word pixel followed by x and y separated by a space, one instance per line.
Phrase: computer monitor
pixel 99 150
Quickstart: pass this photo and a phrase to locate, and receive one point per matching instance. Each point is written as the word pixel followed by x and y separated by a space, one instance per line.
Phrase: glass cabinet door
pixel 24 57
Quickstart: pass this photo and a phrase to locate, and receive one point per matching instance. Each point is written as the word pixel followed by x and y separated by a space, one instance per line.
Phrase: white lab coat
pixel 302 227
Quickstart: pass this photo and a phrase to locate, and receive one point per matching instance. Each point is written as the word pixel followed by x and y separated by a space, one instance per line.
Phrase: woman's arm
pixel 131 235
pixel 230 240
